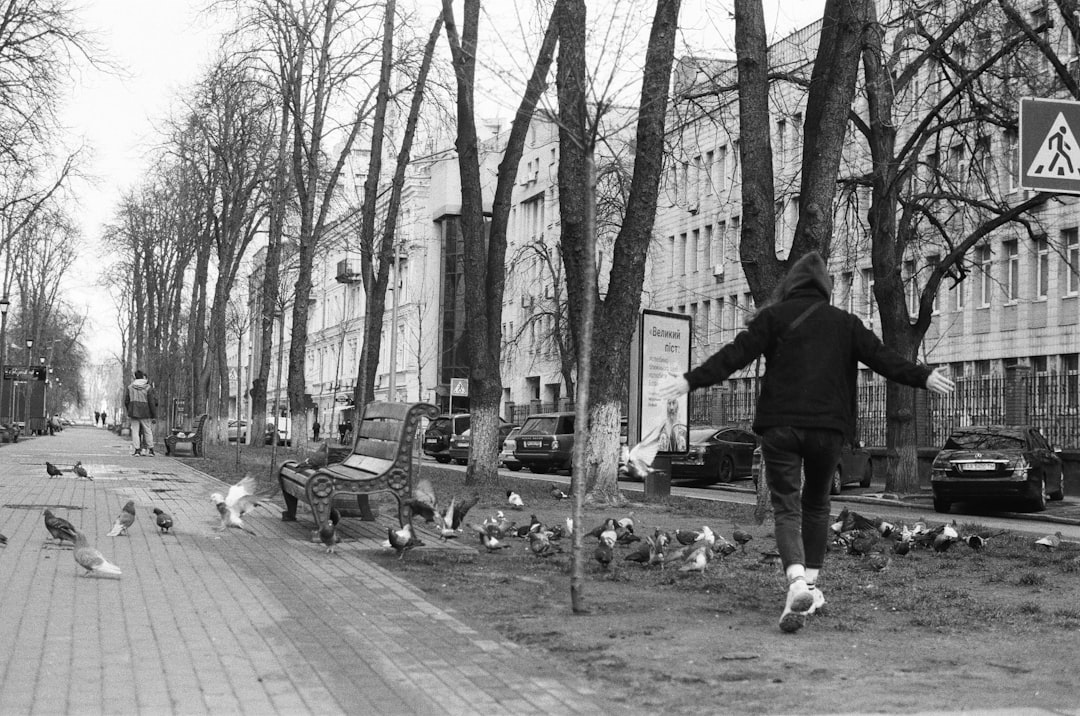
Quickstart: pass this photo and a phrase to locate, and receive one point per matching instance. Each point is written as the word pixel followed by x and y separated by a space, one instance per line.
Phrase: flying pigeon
pixel 58 527
pixel 640 459
pixel 741 537
pixel 53 470
pixel 1049 543
pixel 91 560
pixel 328 532
pixel 449 520
pixel 233 505
pixel 402 540
pixel 423 503
pixel 124 520
pixel 558 494
pixel 81 471
pixel 164 521
pixel 514 500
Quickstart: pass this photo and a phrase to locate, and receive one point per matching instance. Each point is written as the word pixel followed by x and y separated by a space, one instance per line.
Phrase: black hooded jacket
pixel 810 371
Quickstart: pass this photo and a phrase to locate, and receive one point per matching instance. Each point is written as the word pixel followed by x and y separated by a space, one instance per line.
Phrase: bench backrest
pixel 199 422
pixel 385 434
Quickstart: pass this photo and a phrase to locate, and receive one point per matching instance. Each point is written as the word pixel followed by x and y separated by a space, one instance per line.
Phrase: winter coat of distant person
pixel 140 402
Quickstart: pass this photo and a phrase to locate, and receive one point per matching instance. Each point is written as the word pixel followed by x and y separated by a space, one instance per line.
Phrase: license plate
pixel 533 443
pixel 978 467
pixel 431 441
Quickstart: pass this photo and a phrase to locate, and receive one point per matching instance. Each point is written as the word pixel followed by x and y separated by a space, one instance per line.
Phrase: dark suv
pixel 546 442
pixel 442 429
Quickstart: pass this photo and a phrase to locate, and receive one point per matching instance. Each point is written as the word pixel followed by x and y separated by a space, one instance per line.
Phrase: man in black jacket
pixel 806 410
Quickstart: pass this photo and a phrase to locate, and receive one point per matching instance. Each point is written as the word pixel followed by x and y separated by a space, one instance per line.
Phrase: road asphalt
pixel 209 622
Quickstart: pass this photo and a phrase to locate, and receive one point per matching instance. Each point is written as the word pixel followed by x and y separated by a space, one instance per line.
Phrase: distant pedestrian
pixel 141 405
pixel 315 427
pixel 97 417
pixel 341 431
pixel 806 410
pixel 55 425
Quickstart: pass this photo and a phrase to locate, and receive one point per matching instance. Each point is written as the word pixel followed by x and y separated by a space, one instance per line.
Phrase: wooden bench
pixel 381 460
pixel 192 439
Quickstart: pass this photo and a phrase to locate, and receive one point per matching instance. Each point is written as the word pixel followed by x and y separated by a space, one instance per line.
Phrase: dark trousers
pixel 799 464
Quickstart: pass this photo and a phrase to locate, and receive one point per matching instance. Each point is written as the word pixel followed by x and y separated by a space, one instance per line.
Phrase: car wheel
pixel 726 473
pixel 442 458
pixel 1059 494
pixel 540 468
pixel 837 482
pixel 941 505
pixel 515 467
pixel 1038 497
pixel 462 462
pixel 868 474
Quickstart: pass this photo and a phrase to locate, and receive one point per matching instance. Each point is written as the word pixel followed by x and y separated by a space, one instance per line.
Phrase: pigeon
pixel 423 503
pixel 91 560
pixel 498 526
pixel 402 540
pixel 697 560
pixel 976 542
pixel 449 521
pixel 79 470
pixel 534 525
pixel 608 525
pixel 771 556
pixel 626 523
pixel 317 459
pixel 950 531
pixel 236 503
pixel 541 546
pixel 722 547
pixel 58 527
pixel 492 542
pixel 942 541
pixel 328 532
pixel 640 459
pixel 124 520
pixel 901 546
pixel 53 470
pixel 862 542
pixel 164 521
pixel 741 537
pixel 854 521
pixel 605 550
pixel 1049 543
pixel 643 552
pixel 879 561
pixel 514 500
pixel 687 536
pixel 558 494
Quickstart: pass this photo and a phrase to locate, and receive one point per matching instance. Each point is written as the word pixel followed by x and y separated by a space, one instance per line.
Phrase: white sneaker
pixel 798 604
pixel 819 600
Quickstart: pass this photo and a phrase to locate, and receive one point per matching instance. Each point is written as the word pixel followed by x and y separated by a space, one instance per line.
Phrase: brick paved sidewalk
pixel 210 622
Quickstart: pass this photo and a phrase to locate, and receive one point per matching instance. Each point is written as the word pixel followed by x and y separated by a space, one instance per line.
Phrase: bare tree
pixel 485 246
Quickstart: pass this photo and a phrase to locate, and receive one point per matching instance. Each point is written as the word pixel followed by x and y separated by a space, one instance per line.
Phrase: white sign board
pixel 459 387
pixel 661 345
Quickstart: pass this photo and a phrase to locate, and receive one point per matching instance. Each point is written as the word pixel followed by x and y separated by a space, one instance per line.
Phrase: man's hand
pixel 938 382
pixel 671 385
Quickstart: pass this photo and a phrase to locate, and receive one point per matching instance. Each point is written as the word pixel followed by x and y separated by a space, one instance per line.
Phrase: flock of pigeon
pixel 231 508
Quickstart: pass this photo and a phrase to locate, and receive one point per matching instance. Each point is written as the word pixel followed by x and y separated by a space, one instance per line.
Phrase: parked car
pixel 237 427
pixel 854 466
pixel 546 442
pixel 506 457
pixel 437 436
pixel 1012 463
pixel 460 445
pixel 716 454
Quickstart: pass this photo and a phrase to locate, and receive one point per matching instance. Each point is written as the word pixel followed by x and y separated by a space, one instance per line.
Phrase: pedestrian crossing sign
pixel 459 387
pixel 1049 148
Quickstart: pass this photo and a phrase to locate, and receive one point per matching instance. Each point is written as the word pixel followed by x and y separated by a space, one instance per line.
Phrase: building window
pixel 847 288
pixel 911 288
pixel 868 295
pixel 982 263
pixel 681 258
pixel 705 329
pixel 721 167
pixel 735 238
pixel 1012 159
pixel 1072 261
pixel 671 259
pixel 1042 267
pixel 1070 367
pixel 733 313
pixel 932 264
pixel 1012 271
pixel 692 250
pixel 710 188
pixel 707 248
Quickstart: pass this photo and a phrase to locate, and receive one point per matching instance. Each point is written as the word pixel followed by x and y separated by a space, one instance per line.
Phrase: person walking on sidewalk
pixel 806 410
pixel 315 427
pixel 140 402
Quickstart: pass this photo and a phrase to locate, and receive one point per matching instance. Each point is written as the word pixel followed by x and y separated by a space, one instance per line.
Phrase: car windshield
pixel 441 425
pixel 982 440
pixel 540 425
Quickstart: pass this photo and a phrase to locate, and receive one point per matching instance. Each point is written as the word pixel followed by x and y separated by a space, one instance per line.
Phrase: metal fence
pixel 1049 401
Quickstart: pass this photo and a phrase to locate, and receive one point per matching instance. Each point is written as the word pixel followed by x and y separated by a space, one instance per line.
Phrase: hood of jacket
pixel 140 383
pixel 808 274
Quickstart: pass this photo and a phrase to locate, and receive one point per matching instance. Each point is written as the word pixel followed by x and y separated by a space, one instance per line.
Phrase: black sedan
pixel 716 454
pixel 1014 464
pixel 853 467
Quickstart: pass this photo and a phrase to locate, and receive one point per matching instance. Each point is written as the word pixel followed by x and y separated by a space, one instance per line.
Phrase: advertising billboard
pixel 661 345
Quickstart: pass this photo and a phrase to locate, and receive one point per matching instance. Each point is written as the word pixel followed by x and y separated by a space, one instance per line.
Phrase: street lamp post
pixel 4 305
pixel 29 369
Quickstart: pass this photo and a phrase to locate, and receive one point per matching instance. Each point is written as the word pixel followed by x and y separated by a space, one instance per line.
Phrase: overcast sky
pixel 162 46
